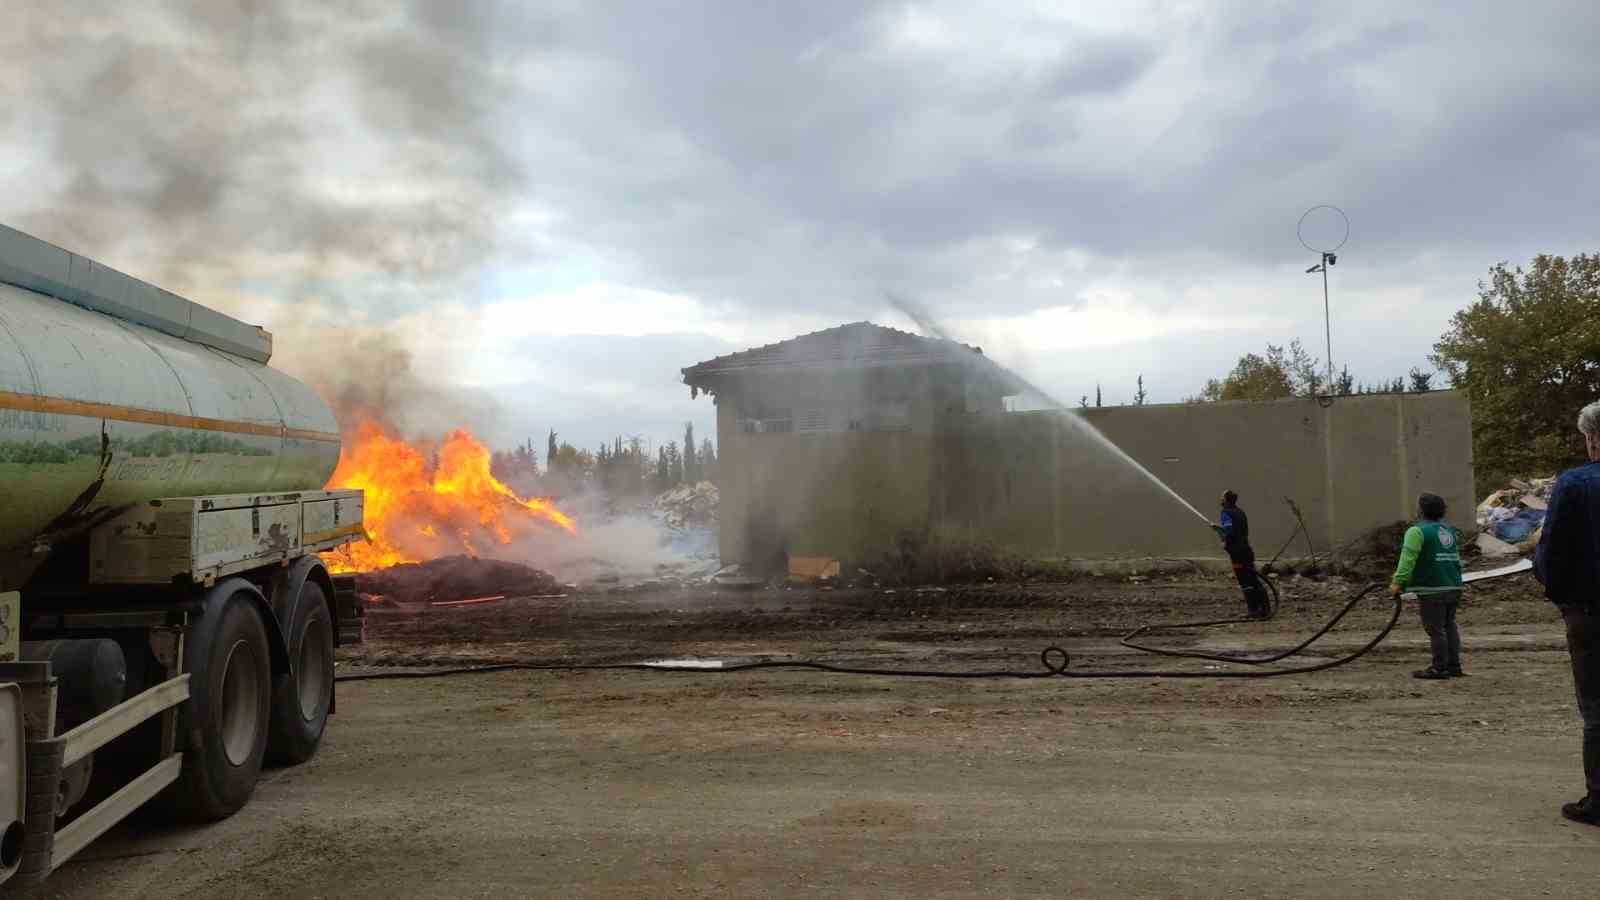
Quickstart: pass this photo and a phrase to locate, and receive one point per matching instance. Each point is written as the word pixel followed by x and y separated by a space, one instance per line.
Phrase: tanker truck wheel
pixel 302 698
pixel 224 724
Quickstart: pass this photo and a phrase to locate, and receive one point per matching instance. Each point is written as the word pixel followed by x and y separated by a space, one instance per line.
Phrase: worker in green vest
pixel 1430 567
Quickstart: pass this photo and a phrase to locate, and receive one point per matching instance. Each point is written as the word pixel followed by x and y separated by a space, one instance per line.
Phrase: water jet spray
pixel 927 323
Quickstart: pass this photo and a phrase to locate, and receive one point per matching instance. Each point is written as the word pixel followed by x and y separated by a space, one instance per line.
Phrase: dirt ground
pixel 1359 780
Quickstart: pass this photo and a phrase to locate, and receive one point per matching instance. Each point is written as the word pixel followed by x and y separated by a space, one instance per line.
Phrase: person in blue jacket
pixel 1233 527
pixel 1567 563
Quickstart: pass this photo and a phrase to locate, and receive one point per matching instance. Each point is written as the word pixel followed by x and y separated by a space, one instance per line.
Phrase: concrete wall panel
pixel 1037 483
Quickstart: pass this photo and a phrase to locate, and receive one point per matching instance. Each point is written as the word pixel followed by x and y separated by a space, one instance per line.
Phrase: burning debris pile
pixel 688 506
pixel 427 502
pixel 453 579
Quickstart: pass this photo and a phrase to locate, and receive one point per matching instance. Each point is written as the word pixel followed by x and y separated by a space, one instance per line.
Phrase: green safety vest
pixel 1439 563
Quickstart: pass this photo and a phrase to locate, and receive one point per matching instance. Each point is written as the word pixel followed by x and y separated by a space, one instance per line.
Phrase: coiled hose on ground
pixel 1056 661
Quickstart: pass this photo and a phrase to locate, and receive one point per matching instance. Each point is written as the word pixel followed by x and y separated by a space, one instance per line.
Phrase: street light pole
pixel 1328 259
pixel 1322 248
pixel 1327 317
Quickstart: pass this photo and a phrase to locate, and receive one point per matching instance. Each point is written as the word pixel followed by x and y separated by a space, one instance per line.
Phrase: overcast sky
pixel 556 206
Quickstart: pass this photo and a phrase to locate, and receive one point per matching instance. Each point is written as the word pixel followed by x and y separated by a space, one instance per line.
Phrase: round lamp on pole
pixel 1323 230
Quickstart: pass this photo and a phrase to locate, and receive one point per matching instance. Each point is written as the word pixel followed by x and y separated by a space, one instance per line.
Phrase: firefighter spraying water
pixel 1234 529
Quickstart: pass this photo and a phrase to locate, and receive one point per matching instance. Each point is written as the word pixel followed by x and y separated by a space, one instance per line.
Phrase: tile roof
pixel 858 344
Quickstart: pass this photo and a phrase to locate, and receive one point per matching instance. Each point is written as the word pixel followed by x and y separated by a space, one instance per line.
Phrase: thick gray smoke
pixel 331 170
pixel 290 143
pixel 373 378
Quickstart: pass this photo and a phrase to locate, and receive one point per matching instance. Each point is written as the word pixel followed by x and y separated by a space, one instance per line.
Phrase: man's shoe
pixel 1457 673
pixel 1430 673
pixel 1585 811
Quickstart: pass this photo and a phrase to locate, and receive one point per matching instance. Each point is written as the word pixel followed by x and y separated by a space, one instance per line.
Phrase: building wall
pixel 1040 484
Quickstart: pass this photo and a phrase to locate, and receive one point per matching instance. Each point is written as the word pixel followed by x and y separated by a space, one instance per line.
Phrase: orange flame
pixel 414 511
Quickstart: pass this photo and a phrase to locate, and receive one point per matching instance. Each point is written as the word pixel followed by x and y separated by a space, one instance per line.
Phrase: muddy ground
pixel 1358 780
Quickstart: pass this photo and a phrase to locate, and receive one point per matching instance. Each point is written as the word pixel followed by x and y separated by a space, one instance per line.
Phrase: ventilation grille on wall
pixel 813 419
pixel 768 422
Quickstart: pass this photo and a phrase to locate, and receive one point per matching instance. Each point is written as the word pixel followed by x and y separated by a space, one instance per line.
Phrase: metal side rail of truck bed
pixel 206 538
pixel 32 846
pixel 216 604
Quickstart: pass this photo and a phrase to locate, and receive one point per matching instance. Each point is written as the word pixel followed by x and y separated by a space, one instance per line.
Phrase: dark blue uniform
pixel 1236 541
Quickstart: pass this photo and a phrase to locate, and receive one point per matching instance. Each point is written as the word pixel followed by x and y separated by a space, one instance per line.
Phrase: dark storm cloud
pixel 780 155
pixel 812 165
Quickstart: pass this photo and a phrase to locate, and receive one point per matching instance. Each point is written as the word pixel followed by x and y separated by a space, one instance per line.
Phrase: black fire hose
pixel 1272 611
pixel 1055 660
pixel 1129 639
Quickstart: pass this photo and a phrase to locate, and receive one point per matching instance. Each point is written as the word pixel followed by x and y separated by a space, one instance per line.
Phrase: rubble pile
pixel 688 506
pixel 1509 520
pixel 452 578
pixel 1372 555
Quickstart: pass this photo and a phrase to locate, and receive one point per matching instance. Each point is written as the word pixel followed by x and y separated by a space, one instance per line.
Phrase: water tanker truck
pixel 166 624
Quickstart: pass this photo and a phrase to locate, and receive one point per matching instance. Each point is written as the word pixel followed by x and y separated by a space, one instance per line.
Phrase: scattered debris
pixel 1514 514
pixel 689 506
pixel 733 577
pixel 471 601
pixel 1491 546
pixel 813 568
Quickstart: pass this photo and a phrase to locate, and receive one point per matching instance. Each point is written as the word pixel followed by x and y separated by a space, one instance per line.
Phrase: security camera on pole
pixel 1330 228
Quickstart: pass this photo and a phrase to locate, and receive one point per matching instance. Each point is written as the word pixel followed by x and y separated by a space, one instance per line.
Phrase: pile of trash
pixel 450 580
pixel 688 506
pixel 1510 519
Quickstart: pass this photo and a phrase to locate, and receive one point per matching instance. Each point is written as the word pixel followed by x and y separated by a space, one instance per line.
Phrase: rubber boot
pixel 1591 762
pixel 1586 811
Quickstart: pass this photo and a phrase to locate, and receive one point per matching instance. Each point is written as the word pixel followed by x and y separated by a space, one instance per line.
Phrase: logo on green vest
pixel 1446 539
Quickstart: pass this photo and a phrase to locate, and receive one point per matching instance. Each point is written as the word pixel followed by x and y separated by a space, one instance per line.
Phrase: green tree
pixel 516 467
pixel 1139 396
pixel 1281 372
pixel 1097 396
pixel 691 471
pixel 1345 384
pixel 707 460
pixel 1253 378
pixel 1421 381
pixel 674 464
pixel 570 461
pixel 1527 354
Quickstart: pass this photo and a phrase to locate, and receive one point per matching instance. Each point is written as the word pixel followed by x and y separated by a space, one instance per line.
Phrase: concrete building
pixel 853 441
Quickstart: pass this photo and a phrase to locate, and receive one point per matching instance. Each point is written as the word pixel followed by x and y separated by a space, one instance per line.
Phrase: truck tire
pixel 224 724
pixel 303 696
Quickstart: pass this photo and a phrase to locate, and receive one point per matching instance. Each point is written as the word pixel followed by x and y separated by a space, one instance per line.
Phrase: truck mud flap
pixel 350 611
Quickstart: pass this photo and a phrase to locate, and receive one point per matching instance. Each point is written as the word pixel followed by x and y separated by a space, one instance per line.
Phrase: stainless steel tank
pixel 114 392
